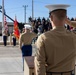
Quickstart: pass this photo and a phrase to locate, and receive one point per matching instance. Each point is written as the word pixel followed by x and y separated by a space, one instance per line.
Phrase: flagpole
pixel 2 16
pixel 32 9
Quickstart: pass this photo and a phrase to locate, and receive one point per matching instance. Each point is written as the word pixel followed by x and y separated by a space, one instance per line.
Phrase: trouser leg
pixel 14 41
pixel 5 40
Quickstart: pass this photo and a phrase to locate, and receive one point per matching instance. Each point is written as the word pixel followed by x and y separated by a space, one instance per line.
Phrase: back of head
pixel 58 13
pixel 27 28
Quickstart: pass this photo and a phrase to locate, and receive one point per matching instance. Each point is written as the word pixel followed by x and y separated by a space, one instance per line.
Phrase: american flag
pixel 5 24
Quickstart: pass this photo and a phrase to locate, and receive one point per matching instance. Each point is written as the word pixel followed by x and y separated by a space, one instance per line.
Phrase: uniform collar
pixel 59 28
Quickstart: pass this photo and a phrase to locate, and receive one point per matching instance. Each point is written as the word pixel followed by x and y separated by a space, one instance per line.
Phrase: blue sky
pixel 15 7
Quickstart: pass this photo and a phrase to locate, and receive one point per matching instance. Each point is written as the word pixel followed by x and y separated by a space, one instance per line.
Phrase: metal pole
pixel 7 16
pixel 25 12
pixel 32 9
pixel 2 16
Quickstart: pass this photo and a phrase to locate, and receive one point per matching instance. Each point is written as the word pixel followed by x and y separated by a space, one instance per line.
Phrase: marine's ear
pixel 51 18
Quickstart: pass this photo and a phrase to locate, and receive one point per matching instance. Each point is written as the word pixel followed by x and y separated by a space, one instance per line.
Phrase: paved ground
pixel 11 60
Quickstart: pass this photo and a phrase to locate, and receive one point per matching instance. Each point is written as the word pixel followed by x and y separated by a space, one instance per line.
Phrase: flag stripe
pixel 5 24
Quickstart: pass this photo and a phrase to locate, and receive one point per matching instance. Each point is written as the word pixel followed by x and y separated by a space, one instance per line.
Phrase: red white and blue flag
pixel 5 24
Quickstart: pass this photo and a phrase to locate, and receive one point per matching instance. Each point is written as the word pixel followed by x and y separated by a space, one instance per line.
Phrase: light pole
pixel 2 16
pixel 32 9
pixel 25 12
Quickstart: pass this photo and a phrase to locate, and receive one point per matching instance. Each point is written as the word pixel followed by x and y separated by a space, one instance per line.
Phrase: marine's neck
pixel 57 25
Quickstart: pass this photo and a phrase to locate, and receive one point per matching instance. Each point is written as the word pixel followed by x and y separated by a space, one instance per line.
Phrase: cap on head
pixel 27 26
pixel 56 7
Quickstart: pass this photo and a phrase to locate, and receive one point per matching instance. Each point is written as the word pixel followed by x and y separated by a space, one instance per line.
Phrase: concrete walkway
pixel 11 60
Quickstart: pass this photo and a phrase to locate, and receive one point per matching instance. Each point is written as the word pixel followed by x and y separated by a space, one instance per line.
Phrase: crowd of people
pixel 42 25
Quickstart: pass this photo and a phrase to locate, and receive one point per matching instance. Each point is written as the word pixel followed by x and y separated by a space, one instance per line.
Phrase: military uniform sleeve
pixel 34 34
pixel 74 37
pixel 73 23
pixel 40 57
